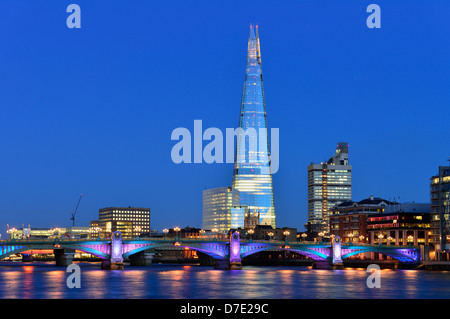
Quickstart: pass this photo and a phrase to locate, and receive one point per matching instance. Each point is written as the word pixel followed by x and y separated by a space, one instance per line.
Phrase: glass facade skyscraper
pixel 252 173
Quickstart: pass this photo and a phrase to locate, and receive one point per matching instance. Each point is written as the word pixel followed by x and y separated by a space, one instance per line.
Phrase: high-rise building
pixel 440 209
pixel 218 208
pixel 252 173
pixel 329 184
pixel 120 219
pixel 238 216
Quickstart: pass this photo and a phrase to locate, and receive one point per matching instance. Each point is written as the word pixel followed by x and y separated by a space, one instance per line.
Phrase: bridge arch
pixel 315 253
pixel 403 255
pixel 214 250
pixel 102 251
pixel 12 250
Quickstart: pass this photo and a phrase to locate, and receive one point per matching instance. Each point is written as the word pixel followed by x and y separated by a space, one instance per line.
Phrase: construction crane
pixel 75 212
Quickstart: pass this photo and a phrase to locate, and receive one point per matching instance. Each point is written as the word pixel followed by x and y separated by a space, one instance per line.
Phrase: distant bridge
pixel 228 253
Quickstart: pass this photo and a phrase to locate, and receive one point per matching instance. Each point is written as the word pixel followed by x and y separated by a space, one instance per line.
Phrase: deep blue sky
pixel 92 110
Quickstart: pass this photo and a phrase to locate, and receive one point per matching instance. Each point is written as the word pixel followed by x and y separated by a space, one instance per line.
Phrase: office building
pixel 130 221
pixel 329 184
pixel 440 204
pixel 220 206
pixel 76 232
pixel 104 229
pixel 36 233
pixel 399 228
pixel 238 214
pixel 252 175
pixel 348 220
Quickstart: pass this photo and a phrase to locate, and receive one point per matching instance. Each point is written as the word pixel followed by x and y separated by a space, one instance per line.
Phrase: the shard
pixel 252 173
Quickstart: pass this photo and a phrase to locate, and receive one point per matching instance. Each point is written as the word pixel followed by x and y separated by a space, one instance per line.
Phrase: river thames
pixel 46 281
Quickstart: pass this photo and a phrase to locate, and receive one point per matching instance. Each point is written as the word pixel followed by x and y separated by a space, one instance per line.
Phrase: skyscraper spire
pixel 251 174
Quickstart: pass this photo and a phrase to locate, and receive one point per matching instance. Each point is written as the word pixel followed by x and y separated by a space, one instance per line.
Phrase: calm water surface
pixel 45 280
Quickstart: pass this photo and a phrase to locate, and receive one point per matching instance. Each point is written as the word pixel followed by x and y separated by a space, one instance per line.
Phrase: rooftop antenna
pixel 75 212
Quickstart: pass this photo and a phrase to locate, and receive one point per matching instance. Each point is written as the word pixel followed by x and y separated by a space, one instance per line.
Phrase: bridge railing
pixel 170 239
pixel 50 240
pixel 283 242
pixel 379 245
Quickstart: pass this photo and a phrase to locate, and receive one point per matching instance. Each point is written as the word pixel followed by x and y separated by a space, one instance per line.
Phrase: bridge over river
pixel 228 254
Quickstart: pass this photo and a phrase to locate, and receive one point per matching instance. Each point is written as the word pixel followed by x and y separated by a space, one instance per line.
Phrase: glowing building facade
pixel 220 207
pixel 131 221
pixel 252 173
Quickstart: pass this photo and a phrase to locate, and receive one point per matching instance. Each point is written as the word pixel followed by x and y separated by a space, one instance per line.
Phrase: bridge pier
pixel 116 261
pixel 322 264
pixel 222 264
pixel 235 252
pixel 64 256
pixel 234 261
pixel 236 266
pixel 26 258
pixel 108 265
pixel 336 251
pixel 141 259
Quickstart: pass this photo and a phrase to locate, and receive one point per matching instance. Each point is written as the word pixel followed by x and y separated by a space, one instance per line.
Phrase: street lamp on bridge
pixel 389 240
pixel 177 230
pixel 251 232
pixel 321 234
pixel 286 233
pixel 351 235
pixel 380 237
pixel 410 238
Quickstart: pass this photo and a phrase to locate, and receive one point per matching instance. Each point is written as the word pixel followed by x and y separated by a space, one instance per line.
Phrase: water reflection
pixel 53 284
pixel 288 282
pixel 191 282
pixel 94 284
pixel 28 282
pixel 11 284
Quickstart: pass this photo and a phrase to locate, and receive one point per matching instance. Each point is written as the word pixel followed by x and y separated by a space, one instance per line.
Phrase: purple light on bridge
pixel 235 248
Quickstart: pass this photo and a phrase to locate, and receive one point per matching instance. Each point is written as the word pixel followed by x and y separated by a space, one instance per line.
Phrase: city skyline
pixel 72 124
